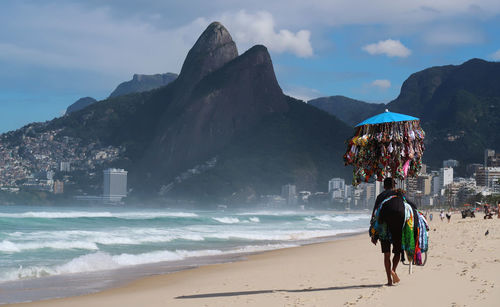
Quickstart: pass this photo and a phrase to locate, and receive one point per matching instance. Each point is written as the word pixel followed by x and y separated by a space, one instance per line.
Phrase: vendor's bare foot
pixel 395 277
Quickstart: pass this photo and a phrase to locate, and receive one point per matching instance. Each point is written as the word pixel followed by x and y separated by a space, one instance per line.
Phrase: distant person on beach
pixel 488 213
pixel 441 215
pixel 448 215
pixel 393 214
pixel 430 217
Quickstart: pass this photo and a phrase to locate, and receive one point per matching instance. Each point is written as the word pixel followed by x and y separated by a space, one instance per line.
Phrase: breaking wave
pixel 85 214
pixel 338 218
pixel 227 220
pixel 100 261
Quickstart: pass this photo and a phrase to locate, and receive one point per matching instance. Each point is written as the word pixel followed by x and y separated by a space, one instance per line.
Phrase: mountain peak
pixel 143 83
pixel 80 104
pixel 214 48
pixel 475 61
pixel 260 53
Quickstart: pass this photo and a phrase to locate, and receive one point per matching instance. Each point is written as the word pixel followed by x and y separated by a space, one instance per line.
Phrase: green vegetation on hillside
pixel 458 107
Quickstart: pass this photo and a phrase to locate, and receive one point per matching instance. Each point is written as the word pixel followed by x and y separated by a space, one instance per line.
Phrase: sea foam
pixel 227 220
pixel 91 214
pixel 338 218
pixel 101 261
pixel 90 240
pixel 12 247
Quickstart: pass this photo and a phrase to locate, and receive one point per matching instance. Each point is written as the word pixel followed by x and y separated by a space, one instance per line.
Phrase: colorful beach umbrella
pixel 387 144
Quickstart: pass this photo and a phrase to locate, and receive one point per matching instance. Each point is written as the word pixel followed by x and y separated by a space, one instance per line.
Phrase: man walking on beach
pixel 393 214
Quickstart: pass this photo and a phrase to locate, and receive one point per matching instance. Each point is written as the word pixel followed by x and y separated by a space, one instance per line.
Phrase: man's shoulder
pixel 385 194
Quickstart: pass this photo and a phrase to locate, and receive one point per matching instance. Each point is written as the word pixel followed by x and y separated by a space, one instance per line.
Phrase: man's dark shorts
pixel 386 246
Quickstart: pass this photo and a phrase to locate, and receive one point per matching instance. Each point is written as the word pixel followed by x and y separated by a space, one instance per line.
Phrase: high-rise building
pixel 423 170
pixel 288 193
pixel 365 195
pixel 115 184
pixel 348 191
pixel 336 184
pixel 435 183
pixel 379 187
pixel 64 166
pixel 488 154
pixel 491 158
pixel 424 184
pixel 445 177
pixel 411 185
pixel 488 176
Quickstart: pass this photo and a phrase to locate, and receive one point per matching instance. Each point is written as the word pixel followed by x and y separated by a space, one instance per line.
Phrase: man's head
pixel 389 183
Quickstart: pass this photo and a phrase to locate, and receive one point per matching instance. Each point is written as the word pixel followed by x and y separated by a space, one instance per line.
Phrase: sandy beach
pixel 463 269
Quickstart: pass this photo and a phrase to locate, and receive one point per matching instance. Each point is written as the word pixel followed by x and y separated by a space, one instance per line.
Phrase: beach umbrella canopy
pixel 387 144
pixel 386 117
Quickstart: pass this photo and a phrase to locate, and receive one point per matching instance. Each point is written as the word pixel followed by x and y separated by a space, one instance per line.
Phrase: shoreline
pixel 462 270
pixel 88 283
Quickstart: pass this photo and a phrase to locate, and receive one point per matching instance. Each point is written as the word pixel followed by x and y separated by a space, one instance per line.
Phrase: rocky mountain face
pixel 222 130
pixel 213 49
pixel 143 83
pixel 232 96
pixel 223 104
pixel 348 110
pixel 80 104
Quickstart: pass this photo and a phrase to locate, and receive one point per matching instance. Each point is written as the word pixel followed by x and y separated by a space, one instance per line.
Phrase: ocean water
pixel 37 243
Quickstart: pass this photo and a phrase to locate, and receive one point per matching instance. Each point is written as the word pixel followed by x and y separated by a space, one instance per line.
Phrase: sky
pixel 55 51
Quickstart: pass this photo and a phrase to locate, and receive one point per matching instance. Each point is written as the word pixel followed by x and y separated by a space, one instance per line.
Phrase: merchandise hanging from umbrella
pixel 386 144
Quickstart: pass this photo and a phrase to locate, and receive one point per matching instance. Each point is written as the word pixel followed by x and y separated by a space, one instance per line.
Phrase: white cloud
pixel 389 47
pixel 496 55
pixel 259 28
pixel 70 37
pixel 312 12
pixel 381 83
